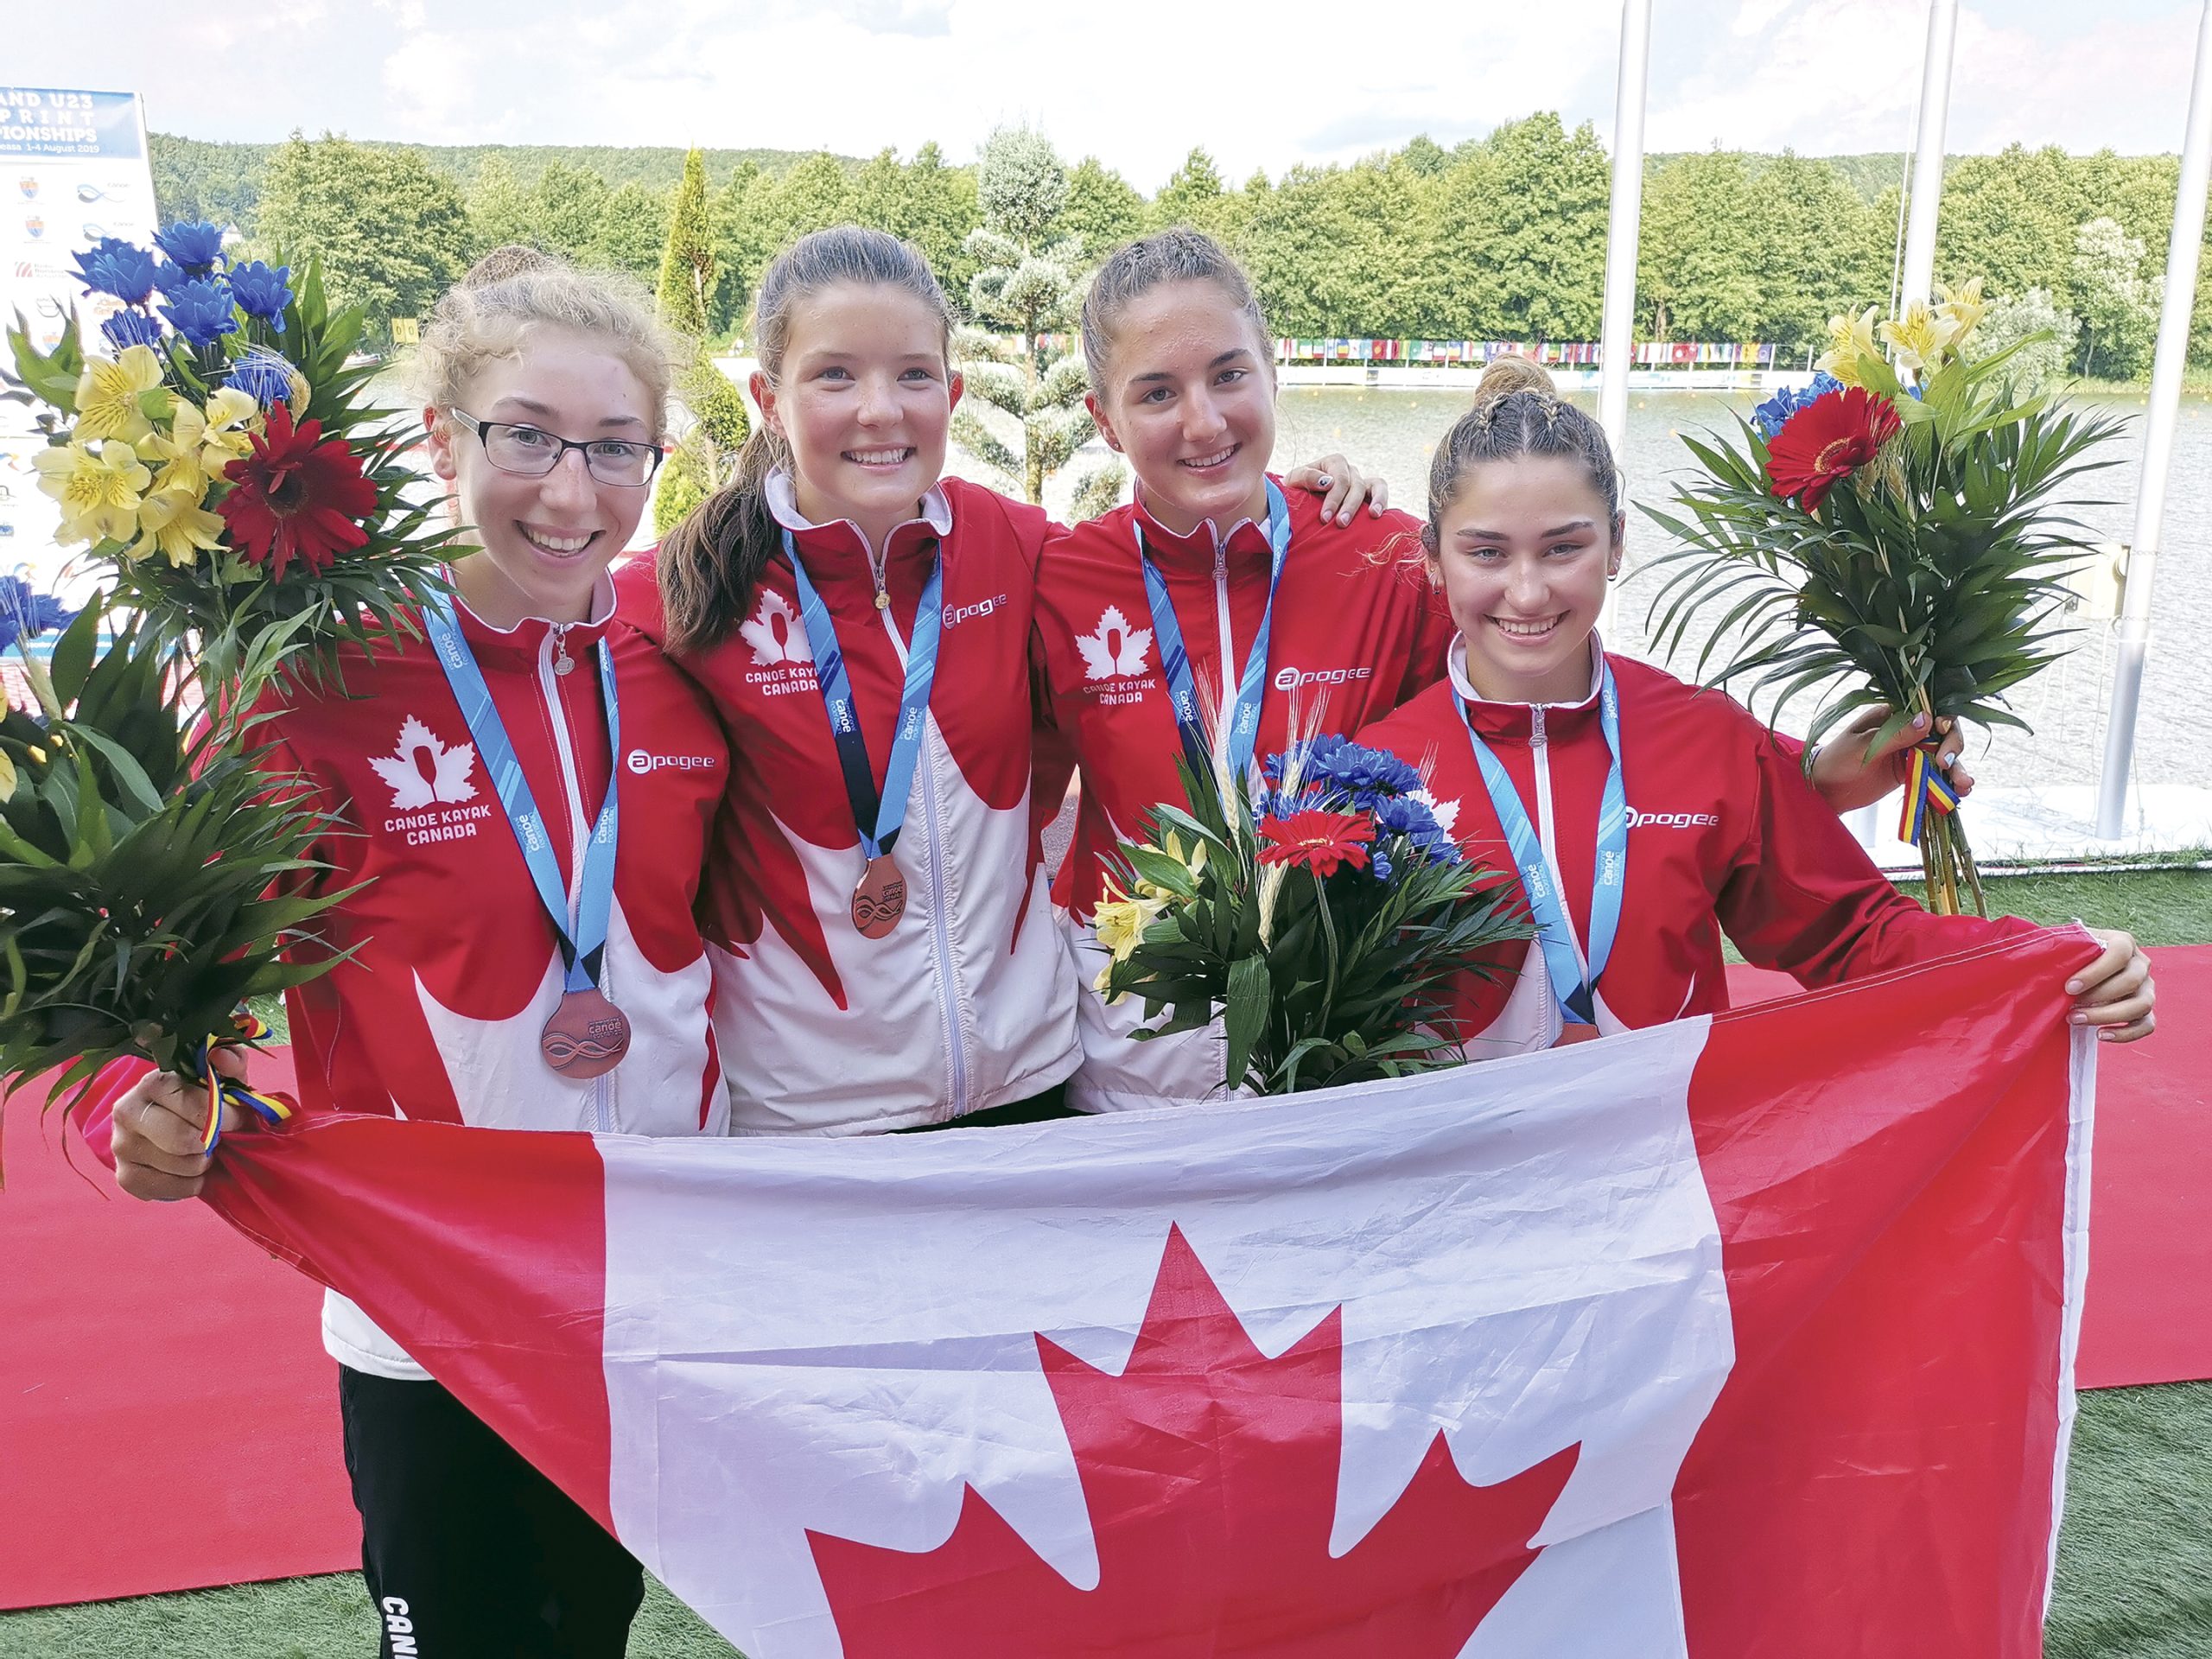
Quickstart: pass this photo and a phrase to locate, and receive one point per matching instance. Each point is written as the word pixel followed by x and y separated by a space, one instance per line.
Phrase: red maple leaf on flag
pixel 1210 1472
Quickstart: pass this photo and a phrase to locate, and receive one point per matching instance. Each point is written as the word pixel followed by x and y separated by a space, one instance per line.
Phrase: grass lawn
pixel 2134 1559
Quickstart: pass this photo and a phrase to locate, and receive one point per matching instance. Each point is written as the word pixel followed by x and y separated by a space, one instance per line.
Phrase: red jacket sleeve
pixel 1804 897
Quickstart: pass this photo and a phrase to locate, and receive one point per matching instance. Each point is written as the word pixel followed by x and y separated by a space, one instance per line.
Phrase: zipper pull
pixel 1535 725
pixel 1220 562
pixel 882 599
pixel 561 661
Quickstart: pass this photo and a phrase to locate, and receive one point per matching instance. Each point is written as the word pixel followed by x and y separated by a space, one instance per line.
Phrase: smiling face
pixel 1524 550
pixel 864 400
pixel 1190 400
pixel 545 541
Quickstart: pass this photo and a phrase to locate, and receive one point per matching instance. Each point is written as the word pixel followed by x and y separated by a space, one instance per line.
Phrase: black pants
pixel 469 1552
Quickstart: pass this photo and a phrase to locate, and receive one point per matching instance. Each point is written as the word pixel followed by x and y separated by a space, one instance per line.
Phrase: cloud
pixel 1259 83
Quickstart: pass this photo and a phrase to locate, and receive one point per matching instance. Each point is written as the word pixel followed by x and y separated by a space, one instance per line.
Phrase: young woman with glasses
pixel 562 987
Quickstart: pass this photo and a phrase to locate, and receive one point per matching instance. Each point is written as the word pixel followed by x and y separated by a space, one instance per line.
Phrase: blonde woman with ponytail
pixel 464 997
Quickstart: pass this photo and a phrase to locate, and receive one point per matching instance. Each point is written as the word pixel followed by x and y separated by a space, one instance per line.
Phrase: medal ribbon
pixel 585 944
pixel 1241 718
pixel 879 815
pixel 1927 791
pixel 1573 984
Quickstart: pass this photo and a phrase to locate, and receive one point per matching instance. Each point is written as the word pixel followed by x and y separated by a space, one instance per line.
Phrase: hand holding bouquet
pixel 1319 919
pixel 1890 535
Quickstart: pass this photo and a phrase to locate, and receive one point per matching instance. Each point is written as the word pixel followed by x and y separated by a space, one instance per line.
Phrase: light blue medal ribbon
pixel 1241 717
pixel 879 815
pixel 1574 988
pixel 582 948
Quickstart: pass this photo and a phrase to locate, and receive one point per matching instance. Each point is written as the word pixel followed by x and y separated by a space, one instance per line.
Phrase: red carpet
pixel 167 1418
pixel 2148 1318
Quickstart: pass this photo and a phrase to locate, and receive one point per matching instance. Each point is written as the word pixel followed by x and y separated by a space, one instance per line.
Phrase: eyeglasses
pixel 532 452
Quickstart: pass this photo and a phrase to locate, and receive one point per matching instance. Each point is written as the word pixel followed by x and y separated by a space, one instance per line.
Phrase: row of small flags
pixel 1649 354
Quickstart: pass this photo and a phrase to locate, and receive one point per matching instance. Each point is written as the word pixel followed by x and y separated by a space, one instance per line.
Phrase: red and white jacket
pixel 1724 837
pixel 1357 629
pixel 456 966
pixel 969 1002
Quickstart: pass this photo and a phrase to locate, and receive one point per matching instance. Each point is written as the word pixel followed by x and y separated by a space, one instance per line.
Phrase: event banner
pixel 72 169
pixel 1747 1337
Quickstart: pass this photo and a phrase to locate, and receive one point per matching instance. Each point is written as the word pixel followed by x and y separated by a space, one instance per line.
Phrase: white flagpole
pixel 1622 228
pixel 2182 253
pixel 1928 152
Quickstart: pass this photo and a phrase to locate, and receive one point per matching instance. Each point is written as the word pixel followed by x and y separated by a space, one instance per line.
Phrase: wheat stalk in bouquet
pixel 1896 536
pixel 1320 917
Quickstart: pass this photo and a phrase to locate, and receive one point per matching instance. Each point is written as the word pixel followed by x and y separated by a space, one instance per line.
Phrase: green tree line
pixel 1498 237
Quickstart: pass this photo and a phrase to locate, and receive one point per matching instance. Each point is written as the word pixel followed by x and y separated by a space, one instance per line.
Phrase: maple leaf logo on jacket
pixel 775 634
pixel 1117 649
pixel 446 778
pixel 1210 1473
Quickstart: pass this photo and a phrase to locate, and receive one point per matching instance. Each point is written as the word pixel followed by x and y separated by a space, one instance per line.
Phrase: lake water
pixel 1395 432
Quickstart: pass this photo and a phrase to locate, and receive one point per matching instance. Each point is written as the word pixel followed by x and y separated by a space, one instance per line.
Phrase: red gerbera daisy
pixel 1828 440
pixel 299 495
pixel 1320 841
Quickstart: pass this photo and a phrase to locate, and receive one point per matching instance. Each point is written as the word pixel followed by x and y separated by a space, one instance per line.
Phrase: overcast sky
pixel 1260 83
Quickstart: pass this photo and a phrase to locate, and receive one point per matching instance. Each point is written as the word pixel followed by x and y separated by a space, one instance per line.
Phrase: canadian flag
pixel 1742 1336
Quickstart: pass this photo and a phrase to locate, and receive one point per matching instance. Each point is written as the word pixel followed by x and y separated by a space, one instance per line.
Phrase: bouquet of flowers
pixel 244 511
pixel 222 462
pixel 1889 536
pixel 143 860
pixel 1318 916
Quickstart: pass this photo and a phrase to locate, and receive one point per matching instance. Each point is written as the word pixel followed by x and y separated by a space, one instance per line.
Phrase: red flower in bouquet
pixel 1826 442
pixel 299 495
pixel 1319 842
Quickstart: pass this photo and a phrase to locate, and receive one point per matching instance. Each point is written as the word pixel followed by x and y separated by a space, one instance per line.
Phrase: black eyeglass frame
pixel 483 429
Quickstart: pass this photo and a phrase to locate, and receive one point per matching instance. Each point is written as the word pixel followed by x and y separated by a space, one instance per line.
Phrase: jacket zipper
pixel 551 655
pixel 940 936
pixel 1221 612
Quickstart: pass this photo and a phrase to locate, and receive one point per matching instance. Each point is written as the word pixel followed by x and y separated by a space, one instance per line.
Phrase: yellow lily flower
pixel 200 442
pixel 108 394
pixel 1962 307
pixel 1921 338
pixel 227 434
pixel 1120 923
pixel 174 524
pixel 1849 340
pixel 99 491
pixel 1194 860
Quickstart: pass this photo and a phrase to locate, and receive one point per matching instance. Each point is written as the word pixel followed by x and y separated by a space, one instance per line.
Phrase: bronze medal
pixel 587 1036
pixel 880 898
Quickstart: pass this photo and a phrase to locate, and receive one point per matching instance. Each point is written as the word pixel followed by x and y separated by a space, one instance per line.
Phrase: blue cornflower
pixel 112 266
pixel 1366 776
pixel 133 328
pixel 1771 416
pixel 262 290
pixel 1379 863
pixel 201 310
pixel 25 614
pixel 194 246
pixel 263 376
pixel 1404 816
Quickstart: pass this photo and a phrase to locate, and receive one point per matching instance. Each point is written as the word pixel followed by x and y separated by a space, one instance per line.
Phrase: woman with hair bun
pixel 1655 815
